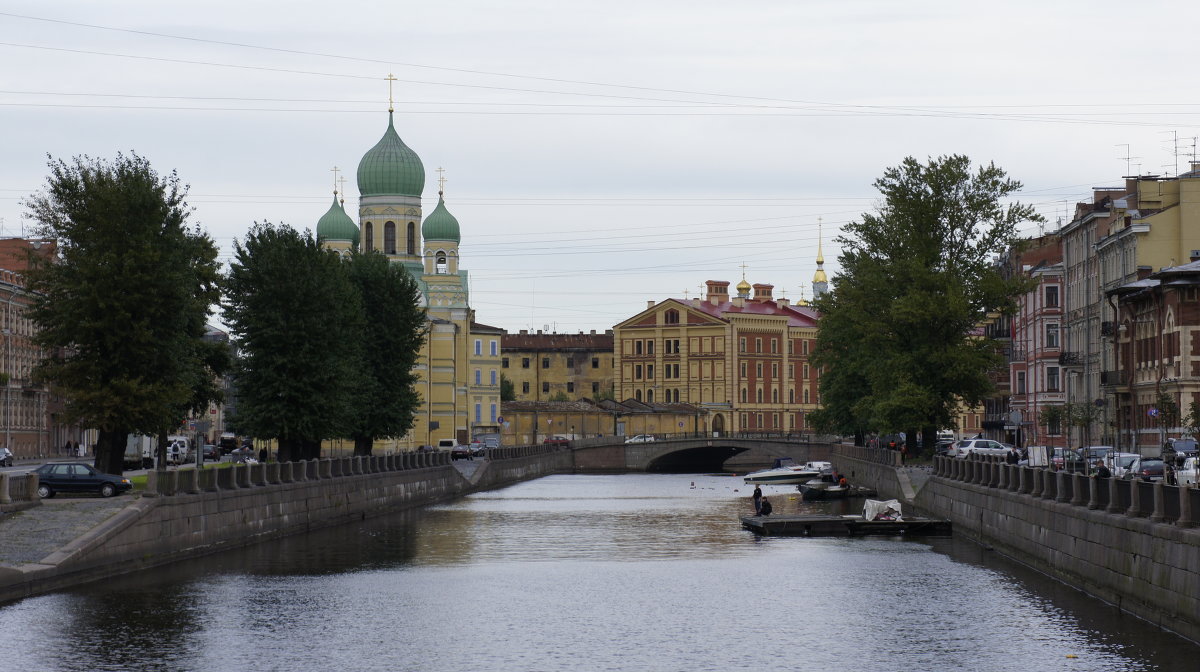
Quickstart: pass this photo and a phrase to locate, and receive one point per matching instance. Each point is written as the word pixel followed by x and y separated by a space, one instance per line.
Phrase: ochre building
pixel 743 359
pixel 558 367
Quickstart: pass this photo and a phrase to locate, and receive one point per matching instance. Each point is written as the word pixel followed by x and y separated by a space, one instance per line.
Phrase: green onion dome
pixel 336 224
pixel 390 168
pixel 440 224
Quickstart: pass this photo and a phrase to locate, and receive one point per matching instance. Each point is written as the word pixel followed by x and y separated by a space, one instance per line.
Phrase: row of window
pixel 1053 381
pixel 546 362
pixel 389 237
pixel 758 370
pixel 758 419
pixel 570 388
pixel 479 413
pixel 493 348
pixel 479 377
pixel 759 396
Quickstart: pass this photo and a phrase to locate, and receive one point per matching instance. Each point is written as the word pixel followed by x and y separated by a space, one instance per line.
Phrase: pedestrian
pixel 1012 457
pixel 758 500
pixel 1102 471
pixel 766 507
pixel 67 448
pixel 262 454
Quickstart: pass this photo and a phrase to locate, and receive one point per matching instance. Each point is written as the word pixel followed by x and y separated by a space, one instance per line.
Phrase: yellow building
pixel 531 422
pixel 743 359
pixel 459 365
pixel 558 367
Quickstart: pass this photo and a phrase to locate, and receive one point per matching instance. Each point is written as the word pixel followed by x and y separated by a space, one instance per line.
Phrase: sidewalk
pixel 31 535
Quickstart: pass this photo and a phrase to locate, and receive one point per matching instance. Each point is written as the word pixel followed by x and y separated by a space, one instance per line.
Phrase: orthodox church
pixel 459 365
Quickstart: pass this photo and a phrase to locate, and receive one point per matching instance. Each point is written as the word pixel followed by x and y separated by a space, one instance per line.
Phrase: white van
pixel 177 449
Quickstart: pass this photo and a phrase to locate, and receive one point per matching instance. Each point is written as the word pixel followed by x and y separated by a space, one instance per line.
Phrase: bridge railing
pixel 1159 502
pixel 18 489
pixel 789 437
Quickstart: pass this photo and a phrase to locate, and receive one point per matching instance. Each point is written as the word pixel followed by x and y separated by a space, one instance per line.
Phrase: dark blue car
pixel 76 477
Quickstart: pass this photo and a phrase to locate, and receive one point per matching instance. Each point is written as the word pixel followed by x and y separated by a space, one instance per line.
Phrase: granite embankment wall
pixel 187 513
pixel 1130 543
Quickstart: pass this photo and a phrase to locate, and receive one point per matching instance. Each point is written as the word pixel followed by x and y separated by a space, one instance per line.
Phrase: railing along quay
pixel 1157 501
pixel 241 476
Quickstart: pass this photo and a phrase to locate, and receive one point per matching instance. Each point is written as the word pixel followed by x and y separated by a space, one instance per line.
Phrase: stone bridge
pixel 688 453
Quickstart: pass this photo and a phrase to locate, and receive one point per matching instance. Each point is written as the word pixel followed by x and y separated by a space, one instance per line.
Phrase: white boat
pixel 785 471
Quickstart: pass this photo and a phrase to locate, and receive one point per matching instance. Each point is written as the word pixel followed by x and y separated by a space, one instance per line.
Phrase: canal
pixel 641 572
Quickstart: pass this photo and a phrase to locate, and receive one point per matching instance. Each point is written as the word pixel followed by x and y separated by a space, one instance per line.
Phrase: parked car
pixel 1189 473
pixel 641 438
pixel 943 447
pixel 59 477
pixel 461 452
pixel 978 447
pixel 1146 469
pixel 210 452
pixel 6 457
pixel 556 441
pixel 1118 463
pixel 1068 459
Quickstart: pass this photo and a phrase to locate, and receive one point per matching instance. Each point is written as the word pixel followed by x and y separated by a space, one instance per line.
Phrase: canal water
pixel 637 572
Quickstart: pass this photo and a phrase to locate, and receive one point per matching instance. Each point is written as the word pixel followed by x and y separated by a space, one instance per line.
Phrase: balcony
pixel 1112 378
pixel 1069 359
pixel 1014 355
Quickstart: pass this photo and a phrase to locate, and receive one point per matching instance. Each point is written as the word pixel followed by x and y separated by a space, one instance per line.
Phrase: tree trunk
pixel 288 450
pixel 929 438
pixel 160 452
pixel 310 450
pixel 110 452
pixel 860 438
pixel 363 445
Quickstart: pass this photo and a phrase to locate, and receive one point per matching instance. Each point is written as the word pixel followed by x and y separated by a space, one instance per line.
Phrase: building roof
pixel 336 224
pixel 480 328
pixel 797 316
pixel 440 224
pixel 390 168
pixel 539 341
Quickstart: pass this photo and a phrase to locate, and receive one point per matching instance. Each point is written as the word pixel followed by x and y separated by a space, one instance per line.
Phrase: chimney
pixel 650 303
pixel 718 291
pixel 696 302
pixel 524 332
pixel 1195 255
pixel 782 302
pixel 739 302
pixel 1144 272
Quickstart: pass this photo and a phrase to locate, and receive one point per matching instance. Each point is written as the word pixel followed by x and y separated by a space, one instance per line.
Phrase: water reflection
pixel 632 572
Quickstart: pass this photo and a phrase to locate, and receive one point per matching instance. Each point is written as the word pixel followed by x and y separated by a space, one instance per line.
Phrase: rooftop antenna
pixel 1128 158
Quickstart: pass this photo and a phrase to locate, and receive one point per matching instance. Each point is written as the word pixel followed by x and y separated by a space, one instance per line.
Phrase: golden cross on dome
pixel 744 267
pixel 390 78
pixel 335 171
pixel 342 181
pixel 441 180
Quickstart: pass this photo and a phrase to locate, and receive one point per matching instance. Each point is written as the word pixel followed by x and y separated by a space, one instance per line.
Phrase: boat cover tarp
pixel 882 510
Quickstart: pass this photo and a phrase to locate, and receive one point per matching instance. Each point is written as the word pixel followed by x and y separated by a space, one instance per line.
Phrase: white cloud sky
pixel 599 154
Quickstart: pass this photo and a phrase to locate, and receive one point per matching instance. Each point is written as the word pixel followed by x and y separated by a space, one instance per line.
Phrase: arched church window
pixel 440 265
pixel 671 317
pixel 368 237
pixel 412 238
pixel 389 238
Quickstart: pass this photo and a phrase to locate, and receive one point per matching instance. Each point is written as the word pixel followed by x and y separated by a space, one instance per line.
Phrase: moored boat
pixel 785 471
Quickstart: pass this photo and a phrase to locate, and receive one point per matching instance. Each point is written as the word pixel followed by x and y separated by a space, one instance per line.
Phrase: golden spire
pixel 390 78
pixel 819 276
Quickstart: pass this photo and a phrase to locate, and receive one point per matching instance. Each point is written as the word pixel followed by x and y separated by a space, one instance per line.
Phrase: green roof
pixel 336 224
pixel 440 224
pixel 390 168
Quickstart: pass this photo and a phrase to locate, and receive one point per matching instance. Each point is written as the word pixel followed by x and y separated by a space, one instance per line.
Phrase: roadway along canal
pixel 638 572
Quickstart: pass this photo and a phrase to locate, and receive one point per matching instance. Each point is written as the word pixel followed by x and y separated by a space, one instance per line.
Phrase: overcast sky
pixel 599 154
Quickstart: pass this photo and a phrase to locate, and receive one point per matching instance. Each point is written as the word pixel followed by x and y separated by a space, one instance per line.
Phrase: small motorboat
pixel 821 489
pixel 785 471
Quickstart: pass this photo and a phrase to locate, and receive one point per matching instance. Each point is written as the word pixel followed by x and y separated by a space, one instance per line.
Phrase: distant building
pixel 550 366
pixel 1037 357
pixel 743 359
pixel 530 422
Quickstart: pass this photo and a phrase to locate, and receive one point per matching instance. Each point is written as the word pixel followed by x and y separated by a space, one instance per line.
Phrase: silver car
pixel 977 446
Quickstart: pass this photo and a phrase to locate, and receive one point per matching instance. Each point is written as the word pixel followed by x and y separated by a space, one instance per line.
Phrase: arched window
pixel 743 395
pixel 412 238
pixel 774 396
pixel 649 396
pixel 758 395
pixel 389 238
pixel 368 237
pixel 439 266
pixel 791 396
pixel 637 394
pixel 671 317
pixel 806 396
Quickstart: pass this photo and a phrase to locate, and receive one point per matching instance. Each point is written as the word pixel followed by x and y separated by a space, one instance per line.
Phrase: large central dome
pixel 390 168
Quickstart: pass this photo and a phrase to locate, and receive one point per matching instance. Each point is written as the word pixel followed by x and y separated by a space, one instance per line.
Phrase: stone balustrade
pixel 1156 501
pixel 18 491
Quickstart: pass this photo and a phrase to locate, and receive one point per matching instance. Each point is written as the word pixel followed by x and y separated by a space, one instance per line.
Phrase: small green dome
pixel 390 168
pixel 440 224
pixel 336 224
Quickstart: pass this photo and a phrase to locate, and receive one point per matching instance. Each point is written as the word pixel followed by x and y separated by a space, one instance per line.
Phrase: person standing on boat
pixel 758 500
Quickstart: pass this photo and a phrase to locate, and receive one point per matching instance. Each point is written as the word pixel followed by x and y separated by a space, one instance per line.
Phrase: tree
pixel 508 392
pixel 122 311
pixel 298 320
pixel 898 343
pixel 393 332
pixel 1053 418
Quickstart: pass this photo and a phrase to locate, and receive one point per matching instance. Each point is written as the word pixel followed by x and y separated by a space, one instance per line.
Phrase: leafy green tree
pixel 122 309
pixel 393 331
pixel 508 391
pixel 1053 418
pixel 898 341
pixel 298 321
